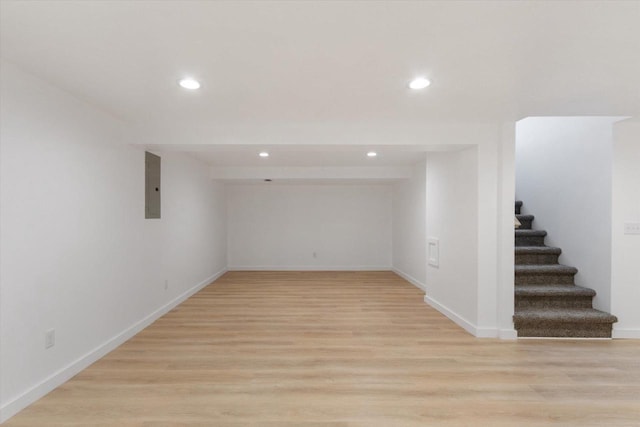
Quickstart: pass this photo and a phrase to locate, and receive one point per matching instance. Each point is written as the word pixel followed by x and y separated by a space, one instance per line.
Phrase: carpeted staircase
pixel 547 302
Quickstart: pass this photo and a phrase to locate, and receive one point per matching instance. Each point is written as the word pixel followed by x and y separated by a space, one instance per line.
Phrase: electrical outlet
pixel 632 228
pixel 50 338
pixel 433 252
pixel 166 285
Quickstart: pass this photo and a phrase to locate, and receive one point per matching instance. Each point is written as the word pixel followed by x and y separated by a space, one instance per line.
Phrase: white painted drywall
pixel 452 218
pixel 332 174
pixel 625 251
pixel 280 227
pixel 506 238
pixel 77 254
pixel 563 177
pixel 409 226
pixel 489 189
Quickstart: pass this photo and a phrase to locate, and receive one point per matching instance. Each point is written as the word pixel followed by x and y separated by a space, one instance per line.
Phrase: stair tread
pixel 548 303
pixel 525 217
pixel 573 315
pixel 553 291
pixel 522 250
pixel 544 269
pixel 526 232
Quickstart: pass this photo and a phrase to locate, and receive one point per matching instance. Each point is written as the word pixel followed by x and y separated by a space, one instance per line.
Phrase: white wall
pixel 563 176
pixel 77 254
pixel 452 218
pixel 506 233
pixel 409 227
pixel 275 226
pixel 625 267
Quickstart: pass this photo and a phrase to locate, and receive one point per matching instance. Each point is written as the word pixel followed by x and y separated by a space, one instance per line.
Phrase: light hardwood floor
pixel 339 349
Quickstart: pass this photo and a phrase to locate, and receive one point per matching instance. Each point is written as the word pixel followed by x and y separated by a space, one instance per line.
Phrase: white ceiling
pixel 307 155
pixel 348 62
pixel 326 157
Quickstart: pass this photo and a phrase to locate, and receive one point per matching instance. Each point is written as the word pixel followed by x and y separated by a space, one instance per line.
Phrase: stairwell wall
pixel 625 251
pixel 563 176
pixel 76 253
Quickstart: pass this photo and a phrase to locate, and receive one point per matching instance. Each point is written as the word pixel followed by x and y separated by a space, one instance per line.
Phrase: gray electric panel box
pixel 151 185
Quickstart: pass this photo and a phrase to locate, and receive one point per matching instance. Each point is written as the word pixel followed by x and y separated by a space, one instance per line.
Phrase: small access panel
pixel 152 185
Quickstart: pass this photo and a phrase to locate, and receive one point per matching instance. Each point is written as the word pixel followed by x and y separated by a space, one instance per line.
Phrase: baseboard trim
pixel 486 332
pixel 457 319
pixel 415 282
pixel 625 333
pixel 309 268
pixel 476 331
pixel 61 376
pixel 507 334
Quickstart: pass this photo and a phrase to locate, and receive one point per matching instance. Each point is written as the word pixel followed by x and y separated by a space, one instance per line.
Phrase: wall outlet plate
pixel 632 228
pixel 433 251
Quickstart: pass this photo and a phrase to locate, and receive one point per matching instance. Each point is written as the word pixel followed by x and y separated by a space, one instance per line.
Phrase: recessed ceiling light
pixel 264 154
pixel 189 83
pixel 372 154
pixel 419 83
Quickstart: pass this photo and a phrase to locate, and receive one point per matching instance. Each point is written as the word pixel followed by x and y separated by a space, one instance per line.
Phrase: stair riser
pixel 564 330
pixel 529 240
pixel 553 302
pixel 547 302
pixel 544 279
pixel 525 224
pixel 536 259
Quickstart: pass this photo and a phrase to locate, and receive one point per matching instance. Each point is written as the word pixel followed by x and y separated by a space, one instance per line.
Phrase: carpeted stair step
pixel 553 296
pixel 547 301
pixel 530 237
pixel 553 274
pixel 532 255
pixel 563 322
pixel 525 221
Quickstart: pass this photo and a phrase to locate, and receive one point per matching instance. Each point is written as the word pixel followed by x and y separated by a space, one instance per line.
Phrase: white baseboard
pixel 61 376
pixel 476 331
pixel 457 319
pixel 486 332
pixel 625 333
pixel 309 268
pixel 507 334
pixel 415 282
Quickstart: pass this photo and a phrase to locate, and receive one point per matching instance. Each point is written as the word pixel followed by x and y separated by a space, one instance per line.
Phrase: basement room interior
pixel 306 213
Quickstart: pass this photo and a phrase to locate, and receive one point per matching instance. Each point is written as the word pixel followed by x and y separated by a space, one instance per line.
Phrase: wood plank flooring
pixel 339 349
